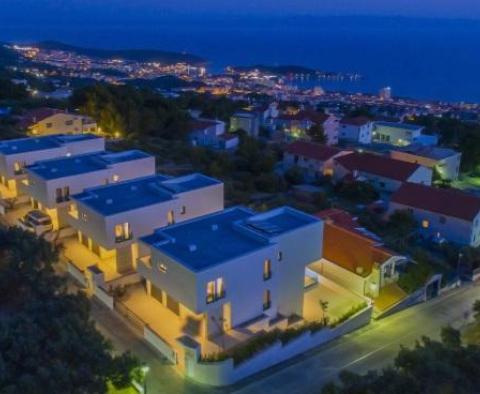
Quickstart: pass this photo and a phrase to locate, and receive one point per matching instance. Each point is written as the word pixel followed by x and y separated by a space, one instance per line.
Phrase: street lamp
pixel 145 370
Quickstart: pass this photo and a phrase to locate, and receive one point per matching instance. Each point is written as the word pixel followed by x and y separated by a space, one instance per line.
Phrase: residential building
pixel 246 121
pixel 48 121
pixel 109 219
pixel 16 154
pixel 383 173
pixel 296 125
pixel 315 160
pixel 232 267
pixel 50 183
pixel 211 133
pixel 356 130
pixel 401 134
pixel 441 213
pixel 444 162
pixel 354 258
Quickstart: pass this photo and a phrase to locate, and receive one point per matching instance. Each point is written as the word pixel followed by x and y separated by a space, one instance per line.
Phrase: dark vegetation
pixel 48 343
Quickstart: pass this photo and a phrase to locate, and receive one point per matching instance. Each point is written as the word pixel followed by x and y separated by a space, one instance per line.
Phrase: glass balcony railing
pixel 124 238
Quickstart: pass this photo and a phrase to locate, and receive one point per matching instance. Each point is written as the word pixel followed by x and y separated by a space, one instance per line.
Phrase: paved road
pixel 372 347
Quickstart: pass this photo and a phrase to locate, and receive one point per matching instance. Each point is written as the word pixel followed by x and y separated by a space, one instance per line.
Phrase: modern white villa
pixel 109 219
pixel 16 154
pixel 50 183
pixel 233 266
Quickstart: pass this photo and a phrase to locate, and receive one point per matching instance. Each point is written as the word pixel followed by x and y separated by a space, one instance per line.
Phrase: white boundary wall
pixel 224 373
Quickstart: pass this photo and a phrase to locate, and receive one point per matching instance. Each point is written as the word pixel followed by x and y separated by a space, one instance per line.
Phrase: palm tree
pixel 324 308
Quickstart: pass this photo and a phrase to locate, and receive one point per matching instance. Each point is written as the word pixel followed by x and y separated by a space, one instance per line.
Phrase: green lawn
pixel 113 390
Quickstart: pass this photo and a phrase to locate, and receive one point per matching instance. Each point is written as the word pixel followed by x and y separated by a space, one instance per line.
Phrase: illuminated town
pixel 180 230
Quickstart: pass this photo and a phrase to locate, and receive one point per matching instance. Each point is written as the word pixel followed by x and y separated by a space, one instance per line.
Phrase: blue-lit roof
pixel 216 238
pixel 31 144
pixel 82 164
pixel 141 192
pixel 398 125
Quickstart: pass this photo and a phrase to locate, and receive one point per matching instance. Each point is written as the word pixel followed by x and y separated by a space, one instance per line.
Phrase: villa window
pixel 267 300
pixel 123 232
pixel 84 216
pixel 18 167
pixel 183 211
pixel 49 125
pixel 115 178
pixel 170 217
pixel 280 256
pixel 425 223
pixel 162 268
pixel 62 194
pixel 267 269
pixel 215 290
pixel 69 123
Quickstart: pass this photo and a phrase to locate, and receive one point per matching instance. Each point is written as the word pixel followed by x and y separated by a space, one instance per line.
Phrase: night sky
pixel 35 10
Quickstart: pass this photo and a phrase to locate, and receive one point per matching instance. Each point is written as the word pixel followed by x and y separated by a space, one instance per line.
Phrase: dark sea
pixel 418 58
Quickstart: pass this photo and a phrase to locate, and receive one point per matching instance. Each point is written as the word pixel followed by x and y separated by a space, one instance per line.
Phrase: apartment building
pixel 17 154
pixel 315 160
pixel 50 183
pixel 444 161
pixel 232 267
pixel 383 173
pixel 247 121
pixel 442 214
pixel 356 130
pixel 109 219
pixel 57 122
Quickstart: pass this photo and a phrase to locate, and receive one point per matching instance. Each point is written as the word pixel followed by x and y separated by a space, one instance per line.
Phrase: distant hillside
pixel 127 54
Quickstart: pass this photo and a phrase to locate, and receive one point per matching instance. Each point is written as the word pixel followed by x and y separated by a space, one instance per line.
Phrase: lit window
pixel 267 269
pixel 267 301
pixel 162 268
pixel 123 232
pixel 115 178
pixel 215 290
pixel 84 216
pixel 425 223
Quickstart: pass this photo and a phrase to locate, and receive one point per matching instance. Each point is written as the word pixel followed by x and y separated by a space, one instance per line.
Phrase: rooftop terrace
pixel 31 144
pixel 211 240
pixel 82 164
pixel 141 192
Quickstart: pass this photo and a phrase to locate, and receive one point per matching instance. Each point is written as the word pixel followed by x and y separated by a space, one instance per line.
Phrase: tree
pixel 317 134
pixel 48 343
pixel 430 367
pixel 476 310
pixel 324 308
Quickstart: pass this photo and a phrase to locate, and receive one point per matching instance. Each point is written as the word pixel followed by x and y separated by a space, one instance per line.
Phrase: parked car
pixel 36 222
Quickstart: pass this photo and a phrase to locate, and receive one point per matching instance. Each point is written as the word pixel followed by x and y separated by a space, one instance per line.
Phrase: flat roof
pixel 31 144
pixel 82 164
pixel 399 125
pixel 140 192
pixel 210 240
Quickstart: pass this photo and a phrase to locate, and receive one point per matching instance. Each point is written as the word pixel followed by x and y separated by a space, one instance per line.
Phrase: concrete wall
pixel 422 175
pixel 453 229
pixel 343 277
pixel 226 373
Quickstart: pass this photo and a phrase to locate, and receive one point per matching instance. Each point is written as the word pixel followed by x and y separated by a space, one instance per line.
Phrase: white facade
pixel 356 133
pixel 51 187
pixel 15 155
pixel 440 226
pixel 244 283
pixel 397 134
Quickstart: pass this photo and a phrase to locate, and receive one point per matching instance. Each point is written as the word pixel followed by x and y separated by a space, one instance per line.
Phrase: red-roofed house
pixel 353 259
pixel 442 213
pixel 314 159
pixel 358 129
pixel 384 173
pixel 295 126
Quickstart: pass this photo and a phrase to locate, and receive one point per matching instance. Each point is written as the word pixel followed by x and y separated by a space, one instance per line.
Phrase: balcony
pixel 61 199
